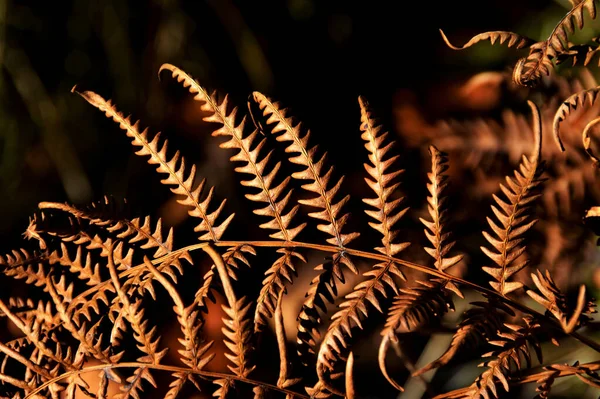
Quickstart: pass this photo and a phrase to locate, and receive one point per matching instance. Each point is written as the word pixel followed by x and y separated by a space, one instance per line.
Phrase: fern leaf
pixel 238 334
pixel 513 344
pixel 354 310
pixel 530 70
pixel 435 228
pixel 314 170
pixel 282 270
pixel 381 182
pixel 249 152
pixel 501 37
pixel 513 217
pixel 85 269
pixel 174 168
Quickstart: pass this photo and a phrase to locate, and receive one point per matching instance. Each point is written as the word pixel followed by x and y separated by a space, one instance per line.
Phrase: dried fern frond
pixel 249 152
pixel 281 271
pixel 556 302
pixel 382 183
pixel 514 218
pixel 174 167
pixel 354 310
pixel 514 347
pixel 314 170
pixel 529 70
pixel 412 308
pixel 501 37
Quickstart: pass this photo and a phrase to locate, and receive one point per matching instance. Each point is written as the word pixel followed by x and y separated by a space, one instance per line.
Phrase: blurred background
pixel 315 57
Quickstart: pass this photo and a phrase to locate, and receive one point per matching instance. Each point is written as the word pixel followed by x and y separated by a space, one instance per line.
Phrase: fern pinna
pixel 100 272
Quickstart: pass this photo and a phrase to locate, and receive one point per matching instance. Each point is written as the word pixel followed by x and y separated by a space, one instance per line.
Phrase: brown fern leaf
pixel 381 182
pixel 174 168
pixel 282 270
pixel 511 39
pixel 437 211
pixel 514 218
pixel 479 324
pixel 132 231
pixel 434 232
pixel 86 269
pixel 238 334
pixel 23 266
pixel 556 302
pixel 529 70
pixel 322 288
pixel 569 105
pixel 513 344
pixel 313 171
pixel 275 203
pixel 354 309
pixel 147 343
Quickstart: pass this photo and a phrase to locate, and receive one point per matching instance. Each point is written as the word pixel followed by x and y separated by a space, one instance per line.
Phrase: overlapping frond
pixel 529 70
pixel 501 37
pixel 514 217
pixel 514 348
pixel 479 324
pixel 175 168
pixel 355 309
pixel 412 308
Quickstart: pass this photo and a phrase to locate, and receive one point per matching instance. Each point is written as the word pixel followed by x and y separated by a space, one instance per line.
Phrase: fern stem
pixel 358 253
pixel 164 367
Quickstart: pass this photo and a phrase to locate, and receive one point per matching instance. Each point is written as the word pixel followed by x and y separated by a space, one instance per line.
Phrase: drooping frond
pixel 514 217
pixel 249 152
pixel 315 170
pixel 529 70
pixel 412 308
pixel 501 37
pixel 569 105
pixel 281 271
pixel 479 324
pixel 415 306
pixel 382 183
pixel 556 302
pixel 230 258
pixel 175 169
pixel 354 310
pixel 514 348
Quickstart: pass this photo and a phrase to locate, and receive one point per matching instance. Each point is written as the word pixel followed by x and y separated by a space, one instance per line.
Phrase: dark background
pixel 316 57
